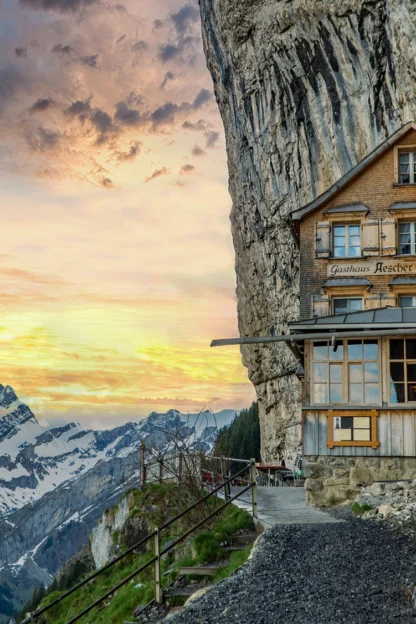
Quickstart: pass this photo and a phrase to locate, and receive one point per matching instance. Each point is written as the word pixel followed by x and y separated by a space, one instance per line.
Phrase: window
pixel 402 370
pixel 352 428
pixel 407 238
pixel 407 301
pixel 349 374
pixel 348 304
pixel 407 168
pixel 347 241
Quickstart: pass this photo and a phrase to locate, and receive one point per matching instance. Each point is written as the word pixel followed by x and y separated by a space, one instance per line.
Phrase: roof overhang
pixel 298 215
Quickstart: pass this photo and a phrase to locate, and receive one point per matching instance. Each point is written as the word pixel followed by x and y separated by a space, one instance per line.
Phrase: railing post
pixel 253 478
pixel 223 478
pixel 158 584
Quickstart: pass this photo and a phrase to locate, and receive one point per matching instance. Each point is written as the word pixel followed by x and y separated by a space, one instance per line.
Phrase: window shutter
pixel 372 302
pixel 388 237
pixel 320 305
pixel 388 299
pixel 370 237
pixel 323 238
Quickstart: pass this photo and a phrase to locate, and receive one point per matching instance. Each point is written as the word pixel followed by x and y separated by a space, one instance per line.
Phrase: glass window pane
pixel 339 230
pixel 411 392
pixel 397 393
pixel 355 350
pixel 371 372
pixel 354 231
pixel 404 178
pixel 340 306
pixel 370 350
pixel 338 355
pixel 405 249
pixel 335 391
pixel 354 241
pixel 356 373
pixel 339 252
pixel 339 241
pixel 320 393
pixel 411 372
pixel 320 350
pixel 411 348
pixel 404 228
pixel 335 373
pixel 396 349
pixel 320 372
pixel 356 304
pixel 406 302
pixel 396 371
pixel 371 393
pixel 354 252
pixel 356 393
pixel 346 422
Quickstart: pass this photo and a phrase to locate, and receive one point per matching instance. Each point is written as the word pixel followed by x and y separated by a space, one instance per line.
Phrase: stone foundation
pixel 332 480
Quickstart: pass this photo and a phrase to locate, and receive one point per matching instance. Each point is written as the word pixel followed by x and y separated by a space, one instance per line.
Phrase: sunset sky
pixel 116 262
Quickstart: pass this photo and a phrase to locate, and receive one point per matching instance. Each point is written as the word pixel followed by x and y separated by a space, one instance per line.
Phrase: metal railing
pixel 158 551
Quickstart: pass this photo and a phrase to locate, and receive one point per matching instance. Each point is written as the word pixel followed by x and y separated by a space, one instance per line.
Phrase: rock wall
pixel 306 88
pixel 333 480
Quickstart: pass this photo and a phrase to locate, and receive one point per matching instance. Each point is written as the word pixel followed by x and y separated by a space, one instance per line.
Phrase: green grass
pixel 237 559
pixel 204 547
pixel 361 509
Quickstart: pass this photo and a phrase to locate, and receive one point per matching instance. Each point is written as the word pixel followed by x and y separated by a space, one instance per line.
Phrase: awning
pixel 381 318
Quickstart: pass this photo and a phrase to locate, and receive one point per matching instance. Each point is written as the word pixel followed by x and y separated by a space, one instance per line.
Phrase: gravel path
pixel 357 572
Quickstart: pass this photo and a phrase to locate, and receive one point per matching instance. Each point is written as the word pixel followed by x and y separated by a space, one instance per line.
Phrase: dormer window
pixel 347 241
pixel 407 168
pixel 407 301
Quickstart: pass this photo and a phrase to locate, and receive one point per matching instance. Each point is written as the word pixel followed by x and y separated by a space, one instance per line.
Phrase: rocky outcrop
pixel 306 88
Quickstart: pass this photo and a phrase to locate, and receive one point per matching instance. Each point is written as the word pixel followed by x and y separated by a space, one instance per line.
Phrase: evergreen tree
pixel 241 439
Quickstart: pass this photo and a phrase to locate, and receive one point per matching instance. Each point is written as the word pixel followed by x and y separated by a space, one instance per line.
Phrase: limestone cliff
pixel 306 88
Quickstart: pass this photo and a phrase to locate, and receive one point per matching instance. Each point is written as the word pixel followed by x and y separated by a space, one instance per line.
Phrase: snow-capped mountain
pixel 55 482
pixel 35 460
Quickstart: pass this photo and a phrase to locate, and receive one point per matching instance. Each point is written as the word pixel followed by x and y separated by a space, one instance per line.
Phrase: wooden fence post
pixel 158 577
pixel 253 478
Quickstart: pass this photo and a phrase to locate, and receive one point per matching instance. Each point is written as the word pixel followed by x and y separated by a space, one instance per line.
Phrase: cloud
pixel 185 169
pixel 201 126
pixel 127 116
pixel 107 183
pixel 20 52
pixel 88 60
pixel 80 109
pixel 139 46
pixel 59 6
pixel 62 50
pixel 166 113
pixel 184 17
pixel 157 174
pixel 198 151
pixel 133 151
pixel 42 139
pixel 167 78
pixel 211 138
pixel 120 39
pixel 168 52
pixel 103 123
pixel 41 105
pixel 157 24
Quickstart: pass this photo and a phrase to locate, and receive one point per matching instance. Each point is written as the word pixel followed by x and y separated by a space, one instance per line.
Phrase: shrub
pixel 207 547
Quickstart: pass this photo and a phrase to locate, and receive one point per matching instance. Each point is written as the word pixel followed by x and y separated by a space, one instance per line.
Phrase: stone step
pixel 247 538
pixel 208 570
pixel 182 592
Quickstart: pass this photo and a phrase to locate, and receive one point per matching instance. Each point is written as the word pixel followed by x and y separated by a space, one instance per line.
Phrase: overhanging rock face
pixel 306 88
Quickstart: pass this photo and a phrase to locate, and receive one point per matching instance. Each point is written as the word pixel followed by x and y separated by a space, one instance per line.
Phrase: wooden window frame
pixel 336 298
pixel 346 225
pixel 402 149
pixel 412 223
pixel 372 414
pixel 345 374
pixel 411 295
pixel 408 404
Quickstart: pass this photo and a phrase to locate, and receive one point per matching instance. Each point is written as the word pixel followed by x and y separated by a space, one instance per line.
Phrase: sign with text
pixel 365 268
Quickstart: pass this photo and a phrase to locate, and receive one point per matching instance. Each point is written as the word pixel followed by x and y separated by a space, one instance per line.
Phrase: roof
pixel 352 173
pixel 403 280
pixel 348 208
pixel 403 206
pixel 388 318
pixel 347 281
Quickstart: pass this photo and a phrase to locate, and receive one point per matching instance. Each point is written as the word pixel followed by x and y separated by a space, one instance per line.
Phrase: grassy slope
pixel 205 547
